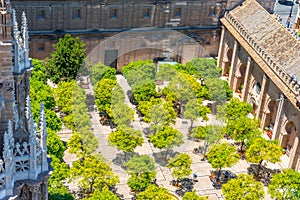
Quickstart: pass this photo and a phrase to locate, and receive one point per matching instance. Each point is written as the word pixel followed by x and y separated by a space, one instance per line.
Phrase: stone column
pixel 293 155
pixel 9 159
pixel 249 68
pixel 232 70
pixel 262 97
pixel 278 118
pixel 221 49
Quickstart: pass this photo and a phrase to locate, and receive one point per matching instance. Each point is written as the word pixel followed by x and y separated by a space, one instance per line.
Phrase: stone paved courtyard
pixel 164 177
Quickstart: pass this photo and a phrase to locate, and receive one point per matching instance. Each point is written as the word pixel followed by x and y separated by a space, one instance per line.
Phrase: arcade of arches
pixel 251 75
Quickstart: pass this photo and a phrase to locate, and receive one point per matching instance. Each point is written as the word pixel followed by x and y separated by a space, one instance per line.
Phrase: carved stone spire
pixel 16 31
pixel 28 108
pixel 8 141
pixel 8 159
pixel 42 122
pixel 33 172
pixel 24 30
pixel 43 131
pixel 16 116
pixel 30 121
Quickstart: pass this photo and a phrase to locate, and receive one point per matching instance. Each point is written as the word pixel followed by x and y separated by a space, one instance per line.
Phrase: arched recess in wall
pixel 239 78
pixel 227 61
pixel 254 95
pixel 270 112
pixel 288 135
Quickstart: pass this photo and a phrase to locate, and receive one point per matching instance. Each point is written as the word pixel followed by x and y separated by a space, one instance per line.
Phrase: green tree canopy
pixel 166 72
pixel 144 90
pixel 105 194
pixel 243 129
pixel 222 155
pixel 219 90
pixel 180 166
pixel 264 150
pixel 100 71
pixel 126 139
pixel 154 192
pixel 211 134
pixel 60 192
pixel 161 115
pixel 236 109
pixel 193 196
pixel 139 182
pixel 67 58
pixel 167 138
pixel 82 144
pixel 39 71
pixel 141 164
pixel 122 114
pixel 42 93
pixel 64 96
pixel 194 109
pixel 145 107
pixel 103 93
pixel 243 188
pixel 138 71
pixel 55 146
pixel 206 68
pixel 285 185
pixel 56 189
pixel 93 172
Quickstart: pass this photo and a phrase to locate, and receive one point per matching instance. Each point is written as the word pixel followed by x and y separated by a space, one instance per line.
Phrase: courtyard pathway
pixel 164 177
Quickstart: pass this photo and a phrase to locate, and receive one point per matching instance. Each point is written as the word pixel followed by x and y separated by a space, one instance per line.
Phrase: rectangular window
pixel 41 14
pixel 146 12
pixel 212 11
pixel 177 12
pixel 113 13
pixel 41 47
pixel 76 13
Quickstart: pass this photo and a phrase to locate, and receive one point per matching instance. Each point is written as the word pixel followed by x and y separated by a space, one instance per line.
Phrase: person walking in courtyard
pixel 288 22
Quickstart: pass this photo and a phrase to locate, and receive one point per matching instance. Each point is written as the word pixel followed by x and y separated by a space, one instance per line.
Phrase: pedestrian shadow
pixel 119 160
pixel 162 157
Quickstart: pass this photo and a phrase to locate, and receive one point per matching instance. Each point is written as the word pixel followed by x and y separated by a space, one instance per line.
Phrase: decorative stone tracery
pixel 24 155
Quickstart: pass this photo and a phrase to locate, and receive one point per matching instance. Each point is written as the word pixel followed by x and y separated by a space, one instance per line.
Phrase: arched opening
pixel 143 44
pixel 254 96
pixel 270 117
pixel 227 62
pixel 239 78
pixel 289 135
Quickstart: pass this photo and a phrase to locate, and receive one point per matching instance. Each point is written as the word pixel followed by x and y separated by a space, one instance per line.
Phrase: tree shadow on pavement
pixel 162 157
pixel 119 160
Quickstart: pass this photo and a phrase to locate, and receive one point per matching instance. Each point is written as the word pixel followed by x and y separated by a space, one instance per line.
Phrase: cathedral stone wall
pixel 95 21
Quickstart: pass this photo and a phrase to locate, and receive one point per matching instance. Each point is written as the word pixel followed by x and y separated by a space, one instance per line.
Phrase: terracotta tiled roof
pixel 270 35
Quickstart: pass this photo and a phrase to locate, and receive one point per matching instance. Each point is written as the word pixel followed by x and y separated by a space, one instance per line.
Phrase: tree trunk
pixel 242 145
pixel 181 109
pixel 205 149
pixel 191 127
pixel 166 155
pixel 258 169
pixel 219 174
pixel 125 156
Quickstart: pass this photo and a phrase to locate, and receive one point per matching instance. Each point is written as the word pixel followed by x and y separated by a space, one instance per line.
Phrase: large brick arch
pixel 154 41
